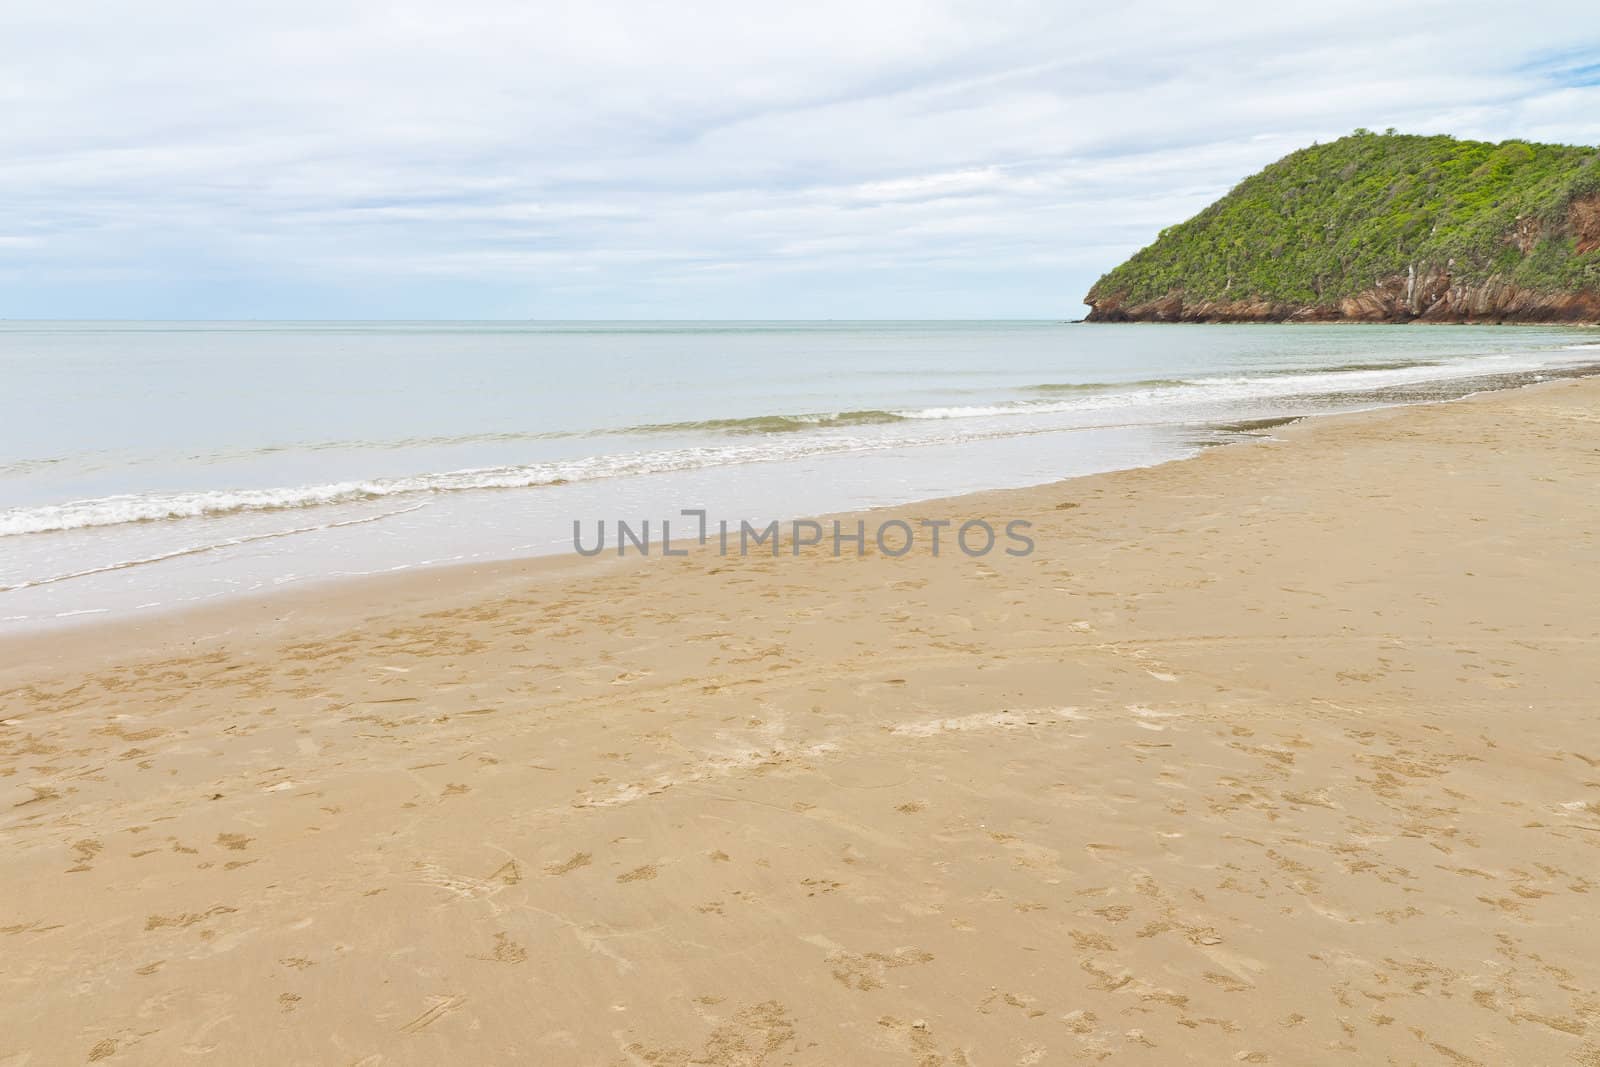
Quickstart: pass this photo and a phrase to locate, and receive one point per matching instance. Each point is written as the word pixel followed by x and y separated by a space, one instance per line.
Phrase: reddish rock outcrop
pixel 1584 218
pixel 1431 298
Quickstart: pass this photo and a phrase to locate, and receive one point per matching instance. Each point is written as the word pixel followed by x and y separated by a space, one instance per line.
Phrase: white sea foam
pixel 833 433
pixel 155 507
pixel 194 550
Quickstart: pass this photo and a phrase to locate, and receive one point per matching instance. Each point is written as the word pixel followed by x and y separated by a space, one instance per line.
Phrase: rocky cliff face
pixel 1425 295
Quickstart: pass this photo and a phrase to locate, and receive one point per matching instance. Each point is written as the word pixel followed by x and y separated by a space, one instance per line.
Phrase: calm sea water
pixel 148 465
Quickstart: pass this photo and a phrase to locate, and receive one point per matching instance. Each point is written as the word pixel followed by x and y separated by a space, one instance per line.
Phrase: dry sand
pixel 1286 754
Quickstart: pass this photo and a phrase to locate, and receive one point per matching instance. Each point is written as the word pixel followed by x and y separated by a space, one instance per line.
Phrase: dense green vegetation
pixel 1332 220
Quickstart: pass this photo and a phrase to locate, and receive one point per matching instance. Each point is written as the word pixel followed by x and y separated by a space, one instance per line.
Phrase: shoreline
pixel 92 556
pixel 246 613
pixel 1273 753
pixel 412 585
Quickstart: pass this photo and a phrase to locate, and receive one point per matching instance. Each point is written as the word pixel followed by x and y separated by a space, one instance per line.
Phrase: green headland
pixel 1381 228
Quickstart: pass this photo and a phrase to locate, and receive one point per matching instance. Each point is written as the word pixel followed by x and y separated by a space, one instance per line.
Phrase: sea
pixel 147 466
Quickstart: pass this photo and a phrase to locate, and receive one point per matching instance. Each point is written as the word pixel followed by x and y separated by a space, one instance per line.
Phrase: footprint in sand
pixel 505 951
pixel 579 859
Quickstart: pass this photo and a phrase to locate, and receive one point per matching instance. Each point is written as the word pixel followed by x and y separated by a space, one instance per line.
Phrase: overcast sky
pixel 857 159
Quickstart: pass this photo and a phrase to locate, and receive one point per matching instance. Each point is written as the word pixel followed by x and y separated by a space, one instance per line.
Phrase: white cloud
pixel 719 159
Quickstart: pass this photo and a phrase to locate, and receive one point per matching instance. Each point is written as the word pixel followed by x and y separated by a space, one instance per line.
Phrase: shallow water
pixel 146 465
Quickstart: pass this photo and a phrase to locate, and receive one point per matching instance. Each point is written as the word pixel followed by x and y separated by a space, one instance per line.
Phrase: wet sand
pixel 1284 754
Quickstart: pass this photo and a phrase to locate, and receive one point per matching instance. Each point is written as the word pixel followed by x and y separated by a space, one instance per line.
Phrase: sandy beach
pixel 1283 754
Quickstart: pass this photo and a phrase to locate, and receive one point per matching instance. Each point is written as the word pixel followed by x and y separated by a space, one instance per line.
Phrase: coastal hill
pixel 1381 228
